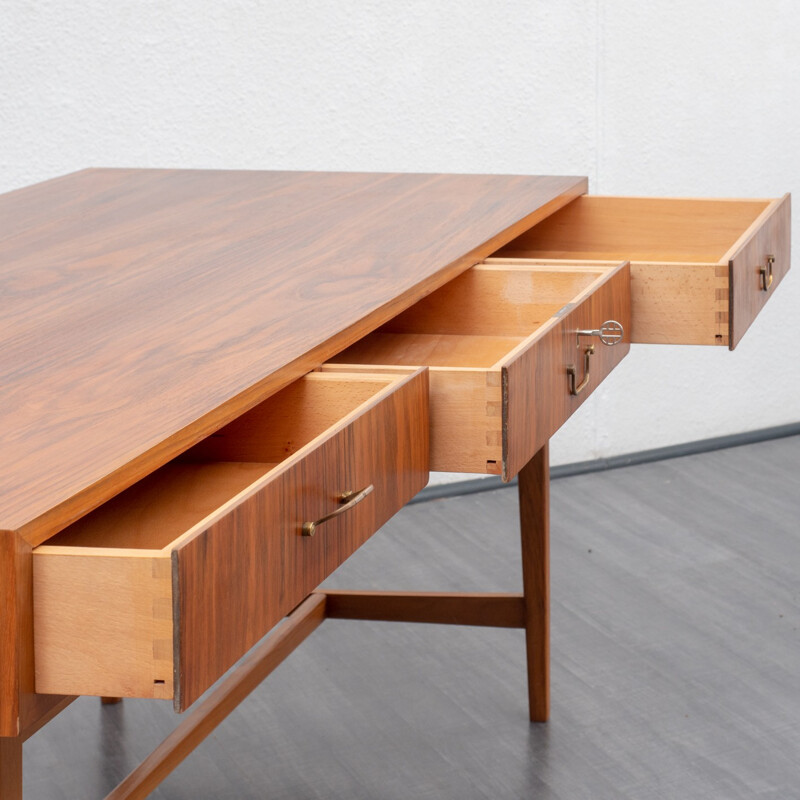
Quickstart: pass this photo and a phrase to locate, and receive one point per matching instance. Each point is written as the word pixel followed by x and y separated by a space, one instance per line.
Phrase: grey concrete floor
pixel 676 660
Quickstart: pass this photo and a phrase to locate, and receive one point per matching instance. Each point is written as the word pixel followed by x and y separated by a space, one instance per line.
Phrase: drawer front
pixel 236 579
pixel 536 394
pixel 753 279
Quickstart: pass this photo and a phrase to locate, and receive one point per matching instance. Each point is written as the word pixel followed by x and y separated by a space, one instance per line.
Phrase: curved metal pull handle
pixel 571 372
pixel 348 499
pixel 766 274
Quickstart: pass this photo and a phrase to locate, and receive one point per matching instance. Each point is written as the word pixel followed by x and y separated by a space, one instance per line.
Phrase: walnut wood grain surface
pixel 142 309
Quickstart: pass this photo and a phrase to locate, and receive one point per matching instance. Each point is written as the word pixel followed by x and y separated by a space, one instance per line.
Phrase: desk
pixel 202 367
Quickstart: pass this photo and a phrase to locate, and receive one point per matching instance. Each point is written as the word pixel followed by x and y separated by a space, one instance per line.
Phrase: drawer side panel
pixel 679 304
pixel 103 625
pixel 466 420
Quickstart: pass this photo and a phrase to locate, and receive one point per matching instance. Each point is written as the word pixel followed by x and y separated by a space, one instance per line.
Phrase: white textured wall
pixel 688 98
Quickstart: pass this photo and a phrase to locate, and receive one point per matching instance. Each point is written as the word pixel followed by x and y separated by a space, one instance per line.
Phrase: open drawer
pixel 159 591
pixel 507 366
pixel 701 270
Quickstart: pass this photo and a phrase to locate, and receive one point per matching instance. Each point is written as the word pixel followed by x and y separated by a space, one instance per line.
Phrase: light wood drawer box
pixel 696 265
pixel 498 341
pixel 162 589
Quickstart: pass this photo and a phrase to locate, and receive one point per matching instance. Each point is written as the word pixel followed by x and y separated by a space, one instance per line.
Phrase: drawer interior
pixel 476 320
pixel 640 229
pixel 157 511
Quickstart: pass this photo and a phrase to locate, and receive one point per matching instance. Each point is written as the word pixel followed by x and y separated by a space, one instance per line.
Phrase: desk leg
pixel 534 520
pixel 11 768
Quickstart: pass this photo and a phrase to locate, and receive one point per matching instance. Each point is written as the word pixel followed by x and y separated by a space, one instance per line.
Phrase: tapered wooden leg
pixel 534 520
pixel 110 701
pixel 10 768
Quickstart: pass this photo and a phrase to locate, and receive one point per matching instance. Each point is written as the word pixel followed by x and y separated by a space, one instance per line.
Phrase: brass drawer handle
pixel 348 500
pixel 571 373
pixel 766 274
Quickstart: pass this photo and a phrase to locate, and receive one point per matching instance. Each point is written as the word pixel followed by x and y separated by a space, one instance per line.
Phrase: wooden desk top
pixel 142 309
